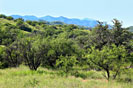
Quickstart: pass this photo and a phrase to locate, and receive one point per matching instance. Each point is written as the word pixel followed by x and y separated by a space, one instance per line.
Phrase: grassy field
pixel 22 77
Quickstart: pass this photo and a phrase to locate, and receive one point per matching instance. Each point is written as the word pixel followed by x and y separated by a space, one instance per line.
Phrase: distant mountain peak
pixel 48 16
pixel 87 19
pixel 61 17
pixel 82 22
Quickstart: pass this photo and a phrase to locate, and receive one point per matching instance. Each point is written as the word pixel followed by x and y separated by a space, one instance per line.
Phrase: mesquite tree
pixel 109 58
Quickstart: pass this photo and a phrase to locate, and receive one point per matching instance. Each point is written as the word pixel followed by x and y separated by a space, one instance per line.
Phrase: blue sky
pixel 103 10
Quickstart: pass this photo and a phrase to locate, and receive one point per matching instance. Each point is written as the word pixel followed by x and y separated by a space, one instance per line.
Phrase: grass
pixel 22 77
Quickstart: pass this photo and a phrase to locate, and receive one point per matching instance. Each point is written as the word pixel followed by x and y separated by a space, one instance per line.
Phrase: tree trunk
pixel 108 74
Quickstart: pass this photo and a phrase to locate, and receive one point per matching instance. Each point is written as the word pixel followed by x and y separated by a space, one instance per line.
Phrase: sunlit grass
pixel 22 77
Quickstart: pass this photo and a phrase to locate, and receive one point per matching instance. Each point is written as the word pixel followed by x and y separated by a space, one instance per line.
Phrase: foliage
pixel 32 53
pixel 8 36
pixel 109 58
pixel 9 18
pixel 66 63
pixel 20 24
pixel 2 16
pixel 3 64
pixel 61 46
pixel 13 55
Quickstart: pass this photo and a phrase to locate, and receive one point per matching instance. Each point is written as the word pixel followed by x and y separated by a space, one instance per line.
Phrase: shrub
pixel 3 63
pixel 66 63
pixel 2 16
pixel 9 18
pixel 109 58
pixel 20 24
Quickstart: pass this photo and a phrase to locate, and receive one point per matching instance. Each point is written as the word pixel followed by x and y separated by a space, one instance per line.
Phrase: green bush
pixel 3 63
pixel 66 63
pixel 2 16
pixel 9 18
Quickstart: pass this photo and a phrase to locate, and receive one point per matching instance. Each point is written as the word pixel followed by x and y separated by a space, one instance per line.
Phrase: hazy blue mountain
pixel 26 17
pixel 16 16
pixel 84 22
pixel 131 28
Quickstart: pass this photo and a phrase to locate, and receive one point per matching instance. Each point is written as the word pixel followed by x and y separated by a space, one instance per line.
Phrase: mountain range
pixel 131 28
pixel 81 22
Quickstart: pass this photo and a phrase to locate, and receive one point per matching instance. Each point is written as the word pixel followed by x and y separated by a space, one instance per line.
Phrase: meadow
pixel 22 77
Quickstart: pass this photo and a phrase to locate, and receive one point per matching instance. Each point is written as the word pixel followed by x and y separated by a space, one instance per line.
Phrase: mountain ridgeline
pixel 84 22
pixel 131 28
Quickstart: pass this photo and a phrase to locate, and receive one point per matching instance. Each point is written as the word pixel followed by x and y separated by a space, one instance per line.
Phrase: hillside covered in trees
pixel 64 47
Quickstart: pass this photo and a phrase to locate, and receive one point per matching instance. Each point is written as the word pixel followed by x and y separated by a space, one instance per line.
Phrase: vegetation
pixel 22 77
pixel 111 58
pixel 67 48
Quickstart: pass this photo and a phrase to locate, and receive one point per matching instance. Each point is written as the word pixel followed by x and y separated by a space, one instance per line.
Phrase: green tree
pixel 71 27
pixel 109 58
pixel 13 55
pixel 120 35
pixel 3 63
pixel 8 36
pixel 21 25
pixel 99 36
pixel 61 47
pixel 9 18
pixel 33 52
pixel 66 63
pixel 2 16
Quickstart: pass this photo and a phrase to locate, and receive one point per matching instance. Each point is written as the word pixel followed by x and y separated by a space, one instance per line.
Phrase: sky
pixel 103 10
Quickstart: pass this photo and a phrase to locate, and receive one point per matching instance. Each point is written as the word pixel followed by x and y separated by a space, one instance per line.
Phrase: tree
pixel 1 36
pixel 66 63
pixel 71 27
pixel 99 36
pixel 13 55
pixel 2 16
pixel 33 52
pixel 120 35
pixel 8 36
pixel 9 18
pixel 61 47
pixel 3 63
pixel 109 58
pixel 21 25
